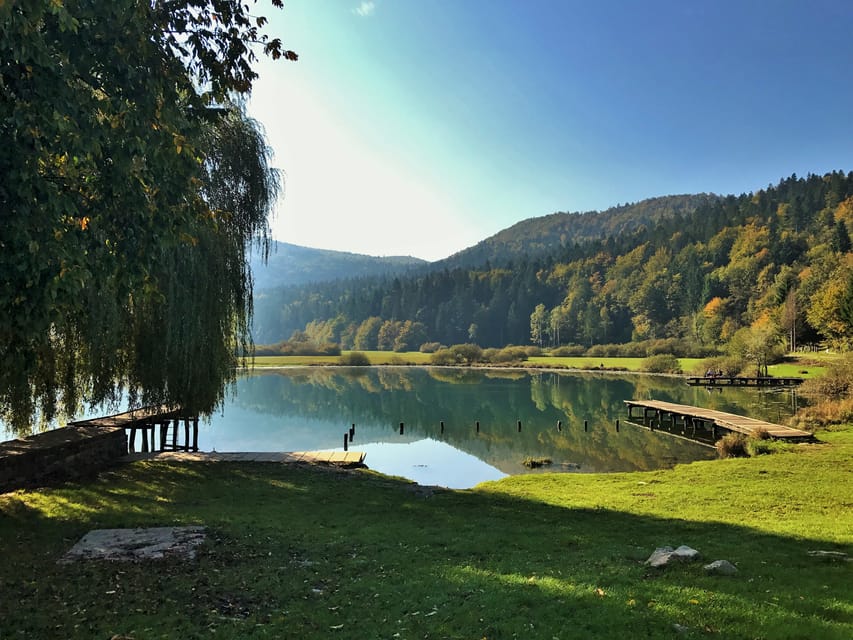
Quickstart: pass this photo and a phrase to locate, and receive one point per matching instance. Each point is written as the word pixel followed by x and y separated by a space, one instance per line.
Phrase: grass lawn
pixel 310 553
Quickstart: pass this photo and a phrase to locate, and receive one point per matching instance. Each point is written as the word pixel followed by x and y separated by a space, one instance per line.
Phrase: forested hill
pixel 775 261
pixel 290 264
pixel 548 234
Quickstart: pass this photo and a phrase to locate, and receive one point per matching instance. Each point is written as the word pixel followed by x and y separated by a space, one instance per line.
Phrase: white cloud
pixel 365 9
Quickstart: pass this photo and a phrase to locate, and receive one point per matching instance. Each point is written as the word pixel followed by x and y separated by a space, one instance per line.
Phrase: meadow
pixel 316 553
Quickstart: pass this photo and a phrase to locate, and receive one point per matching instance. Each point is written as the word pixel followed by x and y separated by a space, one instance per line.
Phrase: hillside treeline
pixel 776 261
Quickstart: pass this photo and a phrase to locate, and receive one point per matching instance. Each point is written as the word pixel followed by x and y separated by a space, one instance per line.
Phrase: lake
pixel 311 408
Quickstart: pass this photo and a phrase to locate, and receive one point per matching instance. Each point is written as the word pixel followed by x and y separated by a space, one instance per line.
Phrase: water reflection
pixel 311 408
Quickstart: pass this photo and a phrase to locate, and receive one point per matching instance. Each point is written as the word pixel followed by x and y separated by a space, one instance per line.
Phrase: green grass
pixel 813 366
pixel 417 358
pixel 308 553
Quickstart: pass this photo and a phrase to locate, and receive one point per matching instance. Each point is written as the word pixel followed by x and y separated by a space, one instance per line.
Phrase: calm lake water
pixel 298 409
pixel 312 408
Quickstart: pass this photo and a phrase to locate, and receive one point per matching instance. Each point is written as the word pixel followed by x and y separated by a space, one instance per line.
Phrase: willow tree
pixel 131 189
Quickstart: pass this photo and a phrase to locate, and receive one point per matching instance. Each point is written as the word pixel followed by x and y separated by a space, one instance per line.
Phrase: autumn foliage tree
pixel 132 187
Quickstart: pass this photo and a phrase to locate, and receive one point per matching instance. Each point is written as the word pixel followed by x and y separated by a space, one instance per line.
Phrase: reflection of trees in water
pixel 421 397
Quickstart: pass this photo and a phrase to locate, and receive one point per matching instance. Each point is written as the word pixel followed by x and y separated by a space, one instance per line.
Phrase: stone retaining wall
pixel 59 454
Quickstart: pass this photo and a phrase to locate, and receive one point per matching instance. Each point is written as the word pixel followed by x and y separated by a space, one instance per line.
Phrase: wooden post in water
pixel 175 424
pixel 352 432
pixel 519 426
pixel 559 425
pixel 401 428
pixel 585 425
pixel 186 434
pixel 195 433
pixel 442 426
pixel 145 441
pixel 131 441
pixel 346 437
pixel 617 425
pixel 163 426
pixel 477 426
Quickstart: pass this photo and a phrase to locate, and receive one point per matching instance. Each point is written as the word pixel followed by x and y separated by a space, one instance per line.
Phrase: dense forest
pixel 776 262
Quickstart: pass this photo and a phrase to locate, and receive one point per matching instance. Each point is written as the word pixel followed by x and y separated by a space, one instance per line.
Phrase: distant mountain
pixel 548 234
pixel 290 264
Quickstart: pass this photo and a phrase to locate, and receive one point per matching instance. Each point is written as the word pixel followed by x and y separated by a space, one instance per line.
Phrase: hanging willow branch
pixel 187 340
pixel 126 210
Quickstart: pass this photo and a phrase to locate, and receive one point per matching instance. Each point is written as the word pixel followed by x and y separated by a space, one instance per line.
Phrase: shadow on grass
pixel 310 553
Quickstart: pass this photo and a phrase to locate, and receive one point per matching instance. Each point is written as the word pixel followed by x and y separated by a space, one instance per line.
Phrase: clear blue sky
pixel 421 127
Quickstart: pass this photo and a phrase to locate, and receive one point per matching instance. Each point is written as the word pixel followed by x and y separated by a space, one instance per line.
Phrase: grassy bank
pixel 307 553
pixel 805 366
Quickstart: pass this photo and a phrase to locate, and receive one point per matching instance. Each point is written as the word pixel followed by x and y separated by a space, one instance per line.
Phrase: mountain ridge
pixel 290 264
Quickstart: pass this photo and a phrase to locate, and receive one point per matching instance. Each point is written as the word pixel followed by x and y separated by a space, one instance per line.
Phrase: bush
pixel 507 354
pixel 355 359
pixel 531 350
pixel 444 357
pixel 824 413
pixel 836 383
pixel 662 363
pixel 732 445
pixel 430 347
pixel 467 353
pixel 298 348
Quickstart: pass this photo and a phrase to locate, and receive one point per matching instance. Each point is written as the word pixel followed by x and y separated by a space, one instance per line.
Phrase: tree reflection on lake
pixel 312 408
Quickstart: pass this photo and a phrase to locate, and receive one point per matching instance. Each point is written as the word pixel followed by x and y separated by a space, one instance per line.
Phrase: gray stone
pixel 685 554
pixel 660 557
pixel 150 543
pixel 663 556
pixel 721 567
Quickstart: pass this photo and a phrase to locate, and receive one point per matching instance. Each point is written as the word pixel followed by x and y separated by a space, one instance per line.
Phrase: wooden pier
pixel 329 458
pixel 742 381
pixel 667 415
pixel 149 421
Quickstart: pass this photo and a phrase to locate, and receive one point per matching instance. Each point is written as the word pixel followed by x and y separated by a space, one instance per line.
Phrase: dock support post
pixel 131 441
pixel 346 437
pixel 477 426
pixel 401 428
pixel 617 425
pixel 163 427
pixel 195 433
pixel 519 426
pixel 175 424
pixel 186 433
pixel 442 426
pixel 585 425
pixel 145 441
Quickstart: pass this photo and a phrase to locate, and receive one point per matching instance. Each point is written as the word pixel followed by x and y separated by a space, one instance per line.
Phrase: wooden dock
pixel 742 381
pixel 658 414
pixel 331 458
pixel 148 421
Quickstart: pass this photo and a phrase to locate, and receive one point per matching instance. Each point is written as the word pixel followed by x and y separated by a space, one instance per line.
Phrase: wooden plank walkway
pixel 690 415
pixel 334 458
pixel 741 381
pixel 149 421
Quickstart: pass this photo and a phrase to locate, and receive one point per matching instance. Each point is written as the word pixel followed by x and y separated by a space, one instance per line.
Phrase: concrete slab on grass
pixel 150 543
